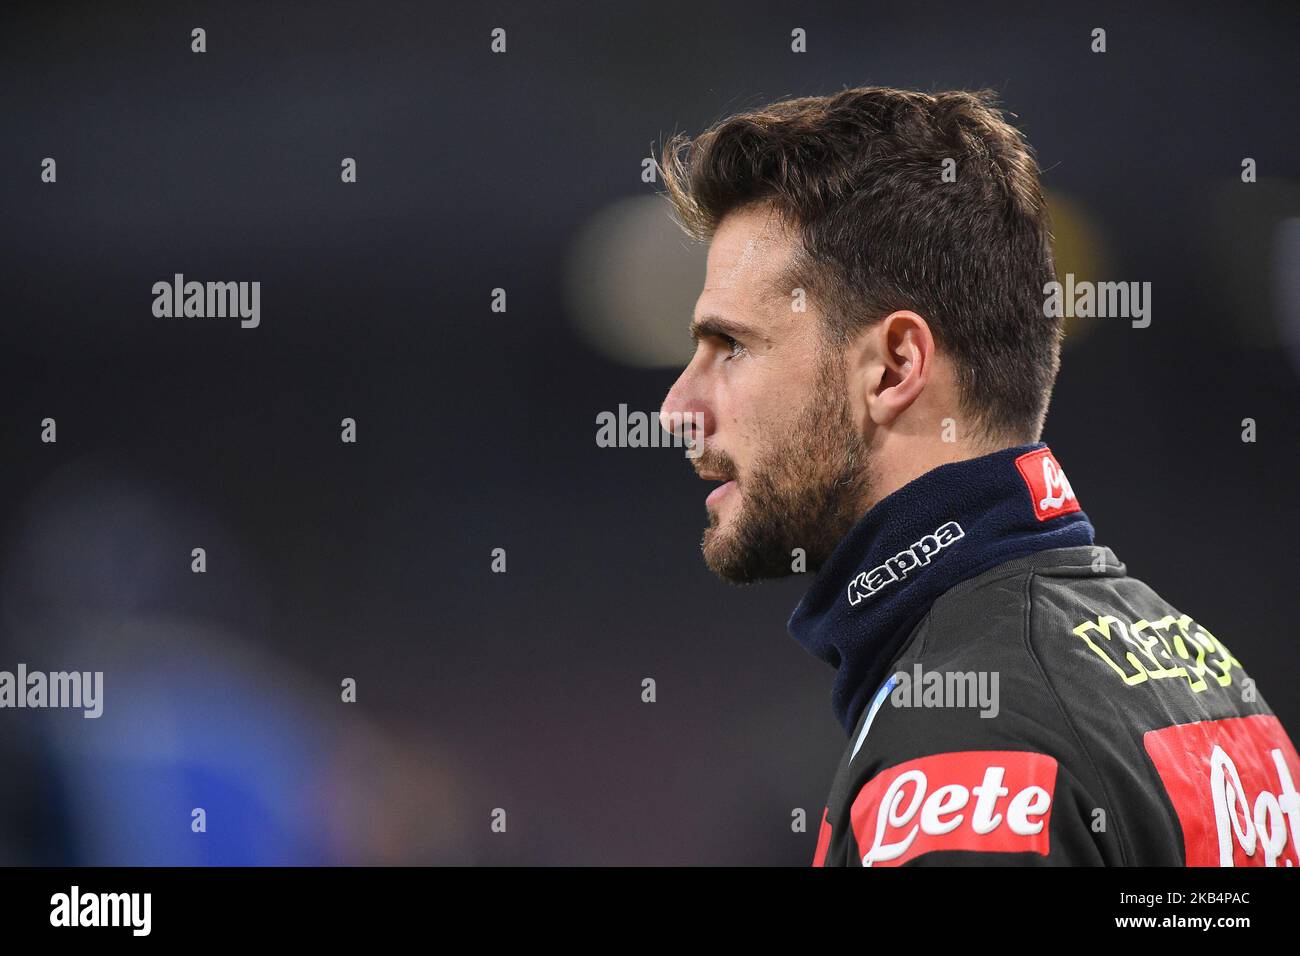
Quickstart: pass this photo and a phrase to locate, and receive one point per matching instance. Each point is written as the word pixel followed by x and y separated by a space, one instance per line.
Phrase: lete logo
pixel 990 801
pixel 1232 783
pixel 1049 489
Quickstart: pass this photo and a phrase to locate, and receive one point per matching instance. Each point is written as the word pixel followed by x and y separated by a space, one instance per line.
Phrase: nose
pixel 685 413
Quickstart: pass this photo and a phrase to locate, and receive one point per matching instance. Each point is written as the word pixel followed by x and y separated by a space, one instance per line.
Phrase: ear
pixel 901 356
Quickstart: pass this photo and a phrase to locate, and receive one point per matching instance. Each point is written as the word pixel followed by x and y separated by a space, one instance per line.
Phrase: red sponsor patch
pixel 823 840
pixel 1233 784
pixel 1049 489
pixel 990 801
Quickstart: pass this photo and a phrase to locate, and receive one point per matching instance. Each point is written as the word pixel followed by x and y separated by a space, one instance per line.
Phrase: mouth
pixel 720 492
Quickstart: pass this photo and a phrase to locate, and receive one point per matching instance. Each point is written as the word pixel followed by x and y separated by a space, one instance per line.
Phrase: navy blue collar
pixel 949 525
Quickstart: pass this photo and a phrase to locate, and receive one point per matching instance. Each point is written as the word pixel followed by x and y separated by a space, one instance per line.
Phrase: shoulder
pixel 967 728
pixel 952 763
pixel 980 611
pixel 1001 661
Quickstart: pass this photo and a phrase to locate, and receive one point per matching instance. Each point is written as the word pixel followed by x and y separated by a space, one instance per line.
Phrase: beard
pixel 806 490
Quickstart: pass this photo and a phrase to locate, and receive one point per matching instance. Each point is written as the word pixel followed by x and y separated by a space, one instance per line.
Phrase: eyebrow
pixel 717 325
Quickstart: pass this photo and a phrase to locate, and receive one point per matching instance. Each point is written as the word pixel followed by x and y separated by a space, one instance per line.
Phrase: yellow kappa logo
pixel 1171 647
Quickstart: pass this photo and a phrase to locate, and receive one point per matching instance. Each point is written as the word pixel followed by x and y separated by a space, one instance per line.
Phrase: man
pixel 872 370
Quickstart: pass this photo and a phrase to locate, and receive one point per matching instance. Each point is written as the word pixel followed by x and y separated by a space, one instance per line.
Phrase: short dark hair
pixel 858 174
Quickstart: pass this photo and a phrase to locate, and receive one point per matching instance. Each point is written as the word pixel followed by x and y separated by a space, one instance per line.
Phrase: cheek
pixel 784 391
pixel 759 405
pixel 745 418
pixel 759 425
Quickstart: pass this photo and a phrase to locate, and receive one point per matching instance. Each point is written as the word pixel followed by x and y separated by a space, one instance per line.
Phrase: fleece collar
pixel 951 524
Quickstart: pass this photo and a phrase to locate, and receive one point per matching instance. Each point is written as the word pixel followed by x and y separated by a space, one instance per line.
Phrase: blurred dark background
pixel 476 429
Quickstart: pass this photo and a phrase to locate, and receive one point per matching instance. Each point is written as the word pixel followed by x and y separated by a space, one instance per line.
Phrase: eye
pixel 736 349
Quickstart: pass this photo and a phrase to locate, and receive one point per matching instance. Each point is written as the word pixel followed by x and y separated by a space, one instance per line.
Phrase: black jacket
pixel 1012 696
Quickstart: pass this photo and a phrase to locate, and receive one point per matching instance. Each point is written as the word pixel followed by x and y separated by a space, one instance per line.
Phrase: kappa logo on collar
pixel 1049 489
pixel 896 568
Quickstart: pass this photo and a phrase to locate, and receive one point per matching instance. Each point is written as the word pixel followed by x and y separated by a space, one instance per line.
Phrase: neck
pixel 898 460
pixel 949 524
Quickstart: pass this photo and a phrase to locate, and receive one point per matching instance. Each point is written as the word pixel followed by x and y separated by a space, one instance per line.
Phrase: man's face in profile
pixel 778 428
